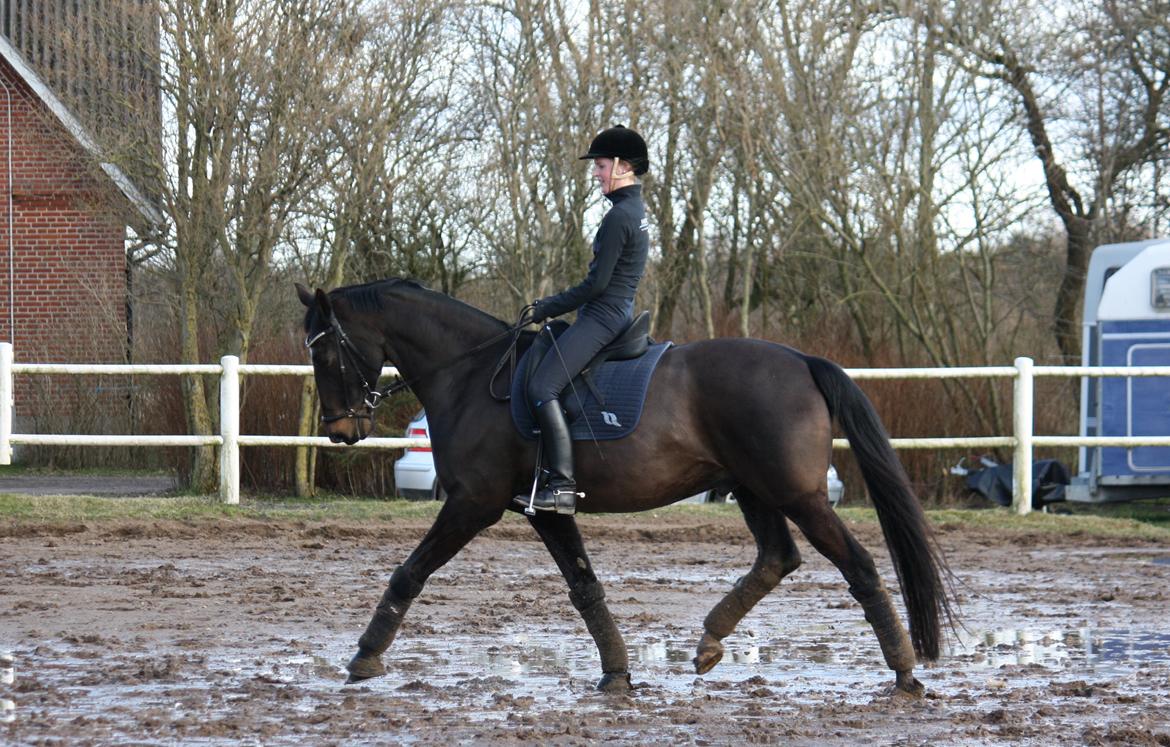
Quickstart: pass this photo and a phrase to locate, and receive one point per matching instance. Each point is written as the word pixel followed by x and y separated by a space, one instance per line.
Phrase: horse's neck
pixel 433 337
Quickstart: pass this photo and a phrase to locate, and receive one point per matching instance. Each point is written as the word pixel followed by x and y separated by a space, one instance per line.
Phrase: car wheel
pixel 437 492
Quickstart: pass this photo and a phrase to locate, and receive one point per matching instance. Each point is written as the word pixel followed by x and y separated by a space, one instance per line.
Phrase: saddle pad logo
pixel 610 419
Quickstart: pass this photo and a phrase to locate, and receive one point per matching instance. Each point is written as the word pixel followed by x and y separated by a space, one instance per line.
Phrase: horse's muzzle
pixel 347 427
pixel 347 431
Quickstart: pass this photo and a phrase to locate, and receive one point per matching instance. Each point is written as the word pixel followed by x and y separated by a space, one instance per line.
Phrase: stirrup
pixel 561 499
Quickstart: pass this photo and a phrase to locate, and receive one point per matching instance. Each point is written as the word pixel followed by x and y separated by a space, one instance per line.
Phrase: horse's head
pixel 347 360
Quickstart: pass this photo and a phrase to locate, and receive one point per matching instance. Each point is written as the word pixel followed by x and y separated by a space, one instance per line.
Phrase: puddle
pixel 563 670
pixel 537 662
pixel 1097 650
pixel 555 668
pixel 7 680
pixel 542 665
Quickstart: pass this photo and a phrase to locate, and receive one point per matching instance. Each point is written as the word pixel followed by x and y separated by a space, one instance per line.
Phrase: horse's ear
pixel 304 294
pixel 323 303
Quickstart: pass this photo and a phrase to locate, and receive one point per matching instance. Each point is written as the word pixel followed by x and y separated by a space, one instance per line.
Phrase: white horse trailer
pixel 1126 323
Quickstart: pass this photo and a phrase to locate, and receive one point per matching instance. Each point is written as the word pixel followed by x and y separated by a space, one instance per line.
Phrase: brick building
pixel 64 214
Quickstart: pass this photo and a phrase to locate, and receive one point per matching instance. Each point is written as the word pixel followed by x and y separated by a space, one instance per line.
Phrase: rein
pixel 374 397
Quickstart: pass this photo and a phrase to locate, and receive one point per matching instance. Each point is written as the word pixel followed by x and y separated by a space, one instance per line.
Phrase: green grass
pixel 262 508
pixel 197 508
pixel 20 470
pixel 1070 524
pixel 1150 521
pixel 1155 512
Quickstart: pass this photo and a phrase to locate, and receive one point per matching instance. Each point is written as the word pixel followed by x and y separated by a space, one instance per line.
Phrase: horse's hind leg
pixel 776 557
pixel 824 529
pixel 563 540
pixel 455 526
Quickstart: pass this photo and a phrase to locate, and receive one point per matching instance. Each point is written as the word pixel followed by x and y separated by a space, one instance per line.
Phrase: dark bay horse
pixel 750 416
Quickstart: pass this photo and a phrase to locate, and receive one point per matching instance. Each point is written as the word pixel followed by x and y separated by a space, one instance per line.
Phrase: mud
pixel 238 632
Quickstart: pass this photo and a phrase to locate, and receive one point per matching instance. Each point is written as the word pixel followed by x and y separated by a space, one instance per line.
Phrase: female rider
pixel 605 300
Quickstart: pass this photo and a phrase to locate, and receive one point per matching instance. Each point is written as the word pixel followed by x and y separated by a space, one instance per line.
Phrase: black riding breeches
pixel 577 345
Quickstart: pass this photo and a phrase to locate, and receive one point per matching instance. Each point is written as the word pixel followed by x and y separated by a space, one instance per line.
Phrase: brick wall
pixel 68 239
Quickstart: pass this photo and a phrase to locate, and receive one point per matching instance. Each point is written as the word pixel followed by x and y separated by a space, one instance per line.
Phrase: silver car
pixel 414 473
pixel 415 478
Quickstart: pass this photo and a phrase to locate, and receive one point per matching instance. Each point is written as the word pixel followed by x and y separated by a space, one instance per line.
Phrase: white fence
pixel 1022 441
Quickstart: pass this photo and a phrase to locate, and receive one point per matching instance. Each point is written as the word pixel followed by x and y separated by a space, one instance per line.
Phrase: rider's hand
pixel 539 311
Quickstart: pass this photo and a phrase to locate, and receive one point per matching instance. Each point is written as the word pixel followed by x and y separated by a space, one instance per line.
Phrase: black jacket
pixel 619 260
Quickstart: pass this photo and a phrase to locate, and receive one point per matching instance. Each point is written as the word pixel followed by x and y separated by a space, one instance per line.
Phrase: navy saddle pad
pixel 622 385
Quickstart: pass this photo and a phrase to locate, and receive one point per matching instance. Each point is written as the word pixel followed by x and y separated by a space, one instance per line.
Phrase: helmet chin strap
pixel 613 175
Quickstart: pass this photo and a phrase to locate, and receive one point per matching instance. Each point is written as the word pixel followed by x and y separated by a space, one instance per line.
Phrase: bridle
pixel 347 350
pixel 373 397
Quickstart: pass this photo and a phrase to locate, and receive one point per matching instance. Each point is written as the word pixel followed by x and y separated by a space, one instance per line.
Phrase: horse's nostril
pixel 336 438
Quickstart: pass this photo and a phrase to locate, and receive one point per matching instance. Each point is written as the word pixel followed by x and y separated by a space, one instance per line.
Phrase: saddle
pixel 605 400
pixel 633 342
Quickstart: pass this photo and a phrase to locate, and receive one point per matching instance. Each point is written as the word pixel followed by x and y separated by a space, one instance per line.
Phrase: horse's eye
pixel 320 356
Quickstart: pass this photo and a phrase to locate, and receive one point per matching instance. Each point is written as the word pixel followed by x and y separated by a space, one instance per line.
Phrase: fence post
pixel 229 429
pixel 7 402
pixel 1022 429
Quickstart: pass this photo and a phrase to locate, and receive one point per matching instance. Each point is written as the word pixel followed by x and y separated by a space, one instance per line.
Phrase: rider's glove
pixel 539 311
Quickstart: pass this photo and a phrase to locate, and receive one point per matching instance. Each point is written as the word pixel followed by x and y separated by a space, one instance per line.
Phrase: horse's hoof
pixel 708 654
pixel 363 668
pixel 615 682
pixel 907 685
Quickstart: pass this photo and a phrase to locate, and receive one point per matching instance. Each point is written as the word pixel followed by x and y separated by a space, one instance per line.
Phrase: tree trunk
pixel 1072 287
pixel 204 470
pixel 306 458
pixel 678 265
pixel 306 462
pixel 749 269
pixel 705 288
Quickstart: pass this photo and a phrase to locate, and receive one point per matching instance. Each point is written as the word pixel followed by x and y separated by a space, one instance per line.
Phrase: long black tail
pixel 918 561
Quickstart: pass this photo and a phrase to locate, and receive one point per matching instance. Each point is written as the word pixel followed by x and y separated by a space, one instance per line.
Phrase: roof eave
pixel 149 211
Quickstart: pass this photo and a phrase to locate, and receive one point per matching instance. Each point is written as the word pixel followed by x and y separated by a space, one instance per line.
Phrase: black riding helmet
pixel 620 142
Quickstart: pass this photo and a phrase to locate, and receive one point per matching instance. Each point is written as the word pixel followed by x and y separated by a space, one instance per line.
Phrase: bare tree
pixel 374 208
pixel 813 90
pixel 249 88
pixel 538 86
pixel 1091 90
pixel 687 52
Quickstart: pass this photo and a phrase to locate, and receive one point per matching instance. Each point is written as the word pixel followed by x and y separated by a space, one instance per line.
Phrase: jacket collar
pixel 616 196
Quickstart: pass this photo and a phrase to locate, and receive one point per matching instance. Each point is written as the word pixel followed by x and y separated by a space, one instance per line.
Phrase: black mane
pixel 371 297
pixel 368 297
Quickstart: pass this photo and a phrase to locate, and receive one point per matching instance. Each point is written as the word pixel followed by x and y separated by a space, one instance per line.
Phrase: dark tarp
pixel 994 482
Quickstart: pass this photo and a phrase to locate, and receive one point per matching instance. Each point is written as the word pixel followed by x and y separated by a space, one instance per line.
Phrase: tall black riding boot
pixel 560 492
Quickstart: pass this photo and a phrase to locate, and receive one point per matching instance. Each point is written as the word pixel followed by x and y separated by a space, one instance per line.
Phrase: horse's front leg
pixel 457 523
pixel 563 540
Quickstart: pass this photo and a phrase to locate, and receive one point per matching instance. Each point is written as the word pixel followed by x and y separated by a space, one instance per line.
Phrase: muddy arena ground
pixel 237 632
